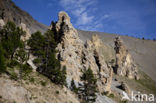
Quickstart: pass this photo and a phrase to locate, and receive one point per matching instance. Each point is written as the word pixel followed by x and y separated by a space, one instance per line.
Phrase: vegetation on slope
pixel 13 54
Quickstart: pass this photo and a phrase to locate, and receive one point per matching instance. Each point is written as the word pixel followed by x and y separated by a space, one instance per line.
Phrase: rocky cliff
pixel 78 56
pixel 125 65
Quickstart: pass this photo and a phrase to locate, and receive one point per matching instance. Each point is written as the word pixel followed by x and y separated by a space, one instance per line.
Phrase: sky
pixel 135 18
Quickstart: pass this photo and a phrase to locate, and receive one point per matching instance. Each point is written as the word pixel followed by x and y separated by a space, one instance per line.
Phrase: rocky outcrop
pixel 78 56
pixel 1 23
pixel 27 32
pixel 125 65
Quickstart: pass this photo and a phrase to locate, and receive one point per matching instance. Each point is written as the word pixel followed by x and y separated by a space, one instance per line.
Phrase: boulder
pixel 125 88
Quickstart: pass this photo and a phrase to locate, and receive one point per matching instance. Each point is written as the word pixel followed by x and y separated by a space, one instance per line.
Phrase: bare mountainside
pixel 10 12
pixel 142 51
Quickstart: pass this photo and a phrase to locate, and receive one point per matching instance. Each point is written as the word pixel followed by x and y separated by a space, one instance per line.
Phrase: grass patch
pixel 13 76
pixel 111 95
pixel 43 83
pixel 32 80
pixel 147 82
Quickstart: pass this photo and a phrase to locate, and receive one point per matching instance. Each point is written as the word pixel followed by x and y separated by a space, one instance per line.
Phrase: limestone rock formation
pixel 78 56
pixel 1 23
pixel 125 65
pixel 27 35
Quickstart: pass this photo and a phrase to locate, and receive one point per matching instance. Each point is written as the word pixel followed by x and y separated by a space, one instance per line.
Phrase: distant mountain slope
pixel 143 51
pixel 10 12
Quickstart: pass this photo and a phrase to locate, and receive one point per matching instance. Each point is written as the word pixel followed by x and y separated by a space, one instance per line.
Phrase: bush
pixel 32 80
pixel 26 69
pixel 57 92
pixel 12 63
pixel 43 83
pixel 111 95
pixel 13 76
pixel 36 61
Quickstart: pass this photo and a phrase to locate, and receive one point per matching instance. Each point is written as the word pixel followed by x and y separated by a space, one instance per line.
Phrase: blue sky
pixel 135 18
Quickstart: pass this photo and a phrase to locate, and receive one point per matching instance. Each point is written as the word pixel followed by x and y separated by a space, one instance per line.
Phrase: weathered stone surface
pixel 27 32
pixel 125 65
pixel 1 23
pixel 78 56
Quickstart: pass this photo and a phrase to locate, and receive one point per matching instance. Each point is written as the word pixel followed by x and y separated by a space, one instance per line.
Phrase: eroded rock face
pixel 27 31
pixel 78 56
pixel 1 23
pixel 125 65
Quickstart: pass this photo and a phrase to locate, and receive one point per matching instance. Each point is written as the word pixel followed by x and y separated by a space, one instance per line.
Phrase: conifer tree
pixel 73 86
pixel 89 88
pixel 2 60
pixel 11 39
pixel 43 46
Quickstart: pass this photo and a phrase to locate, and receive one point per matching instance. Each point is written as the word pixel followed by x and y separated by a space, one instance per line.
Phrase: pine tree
pixel 73 86
pixel 89 88
pixel 11 39
pixel 43 46
pixel 2 60
pixel 21 56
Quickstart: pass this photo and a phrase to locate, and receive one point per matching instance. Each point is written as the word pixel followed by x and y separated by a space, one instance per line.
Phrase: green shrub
pixel 111 95
pixel 36 61
pixel 57 92
pixel 43 83
pixel 12 63
pixel 14 76
pixel 26 69
pixel 32 80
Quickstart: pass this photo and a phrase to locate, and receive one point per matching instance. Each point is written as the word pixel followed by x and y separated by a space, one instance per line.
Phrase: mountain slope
pixel 10 12
pixel 142 51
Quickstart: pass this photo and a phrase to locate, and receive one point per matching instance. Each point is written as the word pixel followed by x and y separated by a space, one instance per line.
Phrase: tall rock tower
pixel 78 56
pixel 125 65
